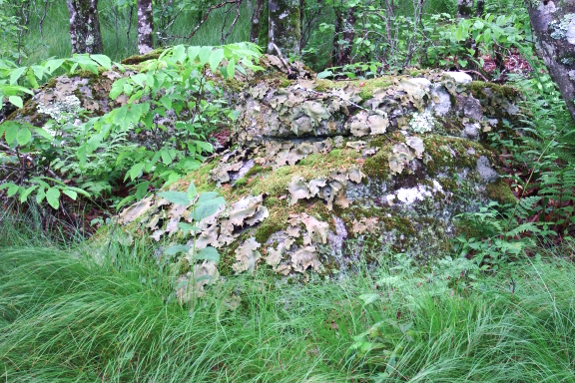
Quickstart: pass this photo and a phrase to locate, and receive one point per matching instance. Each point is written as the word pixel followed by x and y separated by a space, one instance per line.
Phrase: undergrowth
pixel 107 314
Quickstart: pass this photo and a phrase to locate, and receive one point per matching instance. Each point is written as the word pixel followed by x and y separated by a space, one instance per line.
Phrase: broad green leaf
pixel 179 53
pixel 135 170
pixel 193 53
pixel 10 132
pixel 117 88
pixel 208 254
pixel 175 249
pixel 178 198
pixel 70 193
pixel 207 209
pixel 205 53
pixel 38 71
pixel 216 58
pixel 53 197
pixel 52 65
pixel 142 190
pixel 16 100
pixel 23 137
pixel 103 60
pixel 12 190
pixel 16 74
pixel 24 195
pixel 40 195
pixel 43 133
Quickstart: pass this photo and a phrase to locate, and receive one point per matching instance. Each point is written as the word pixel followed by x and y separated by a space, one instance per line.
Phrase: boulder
pixel 324 176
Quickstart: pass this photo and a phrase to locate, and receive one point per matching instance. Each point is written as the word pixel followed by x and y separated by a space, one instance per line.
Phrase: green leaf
pixel 52 65
pixel 216 58
pixel 16 74
pixel 40 195
pixel 231 69
pixel 70 193
pixel 209 254
pixel 179 53
pixel 53 197
pixel 175 249
pixel 192 191
pixel 23 136
pixel 178 198
pixel 135 170
pixel 206 209
pixel 205 53
pixel 16 101
pixel 43 133
pixel 117 88
pixel 24 195
pixel 12 190
pixel 193 54
pixel 104 61
pixel 186 227
pixel 10 132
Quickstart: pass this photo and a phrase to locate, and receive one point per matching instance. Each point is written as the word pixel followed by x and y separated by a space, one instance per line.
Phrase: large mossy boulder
pixel 322 176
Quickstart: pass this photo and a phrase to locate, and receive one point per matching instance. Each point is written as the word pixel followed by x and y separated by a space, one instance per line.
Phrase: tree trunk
pixel 480 8
pixel 257 18
pixel 85 26
pixel 284 27
pixel 464 9
pixel 145 26
pixel 554 29
pixel 344 35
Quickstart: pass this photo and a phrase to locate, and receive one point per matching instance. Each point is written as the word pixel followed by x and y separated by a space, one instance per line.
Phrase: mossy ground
pixel 478 90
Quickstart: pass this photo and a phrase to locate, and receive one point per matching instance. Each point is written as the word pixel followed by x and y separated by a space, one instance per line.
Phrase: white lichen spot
pixel 417 193
pixel 283 15
pixel 90 40
pixel 422 122
pixel 60 110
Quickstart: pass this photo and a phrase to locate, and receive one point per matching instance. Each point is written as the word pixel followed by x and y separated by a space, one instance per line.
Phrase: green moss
pixel 501 192
pixel 84 73
pixel 51 83
pixel 478 90
pixel 137 59
pixel 440 148
pixel 240 182
pixel 311 167
pixel 367 87
pixel 253 171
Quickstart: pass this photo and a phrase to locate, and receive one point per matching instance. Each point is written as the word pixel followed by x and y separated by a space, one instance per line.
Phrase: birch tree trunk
pixel 284 27
pixel 554 29
pixel 464 9
pixel 145 26
pixel 85 26
pixel 257 21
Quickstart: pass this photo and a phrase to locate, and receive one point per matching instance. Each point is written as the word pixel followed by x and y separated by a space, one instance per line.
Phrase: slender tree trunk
pixel 464 9
pixel 284 27
pixel 85 26
pixel 257 18
pixel 554 29
pixel 145 26
pixel 344 35
pixel 480 8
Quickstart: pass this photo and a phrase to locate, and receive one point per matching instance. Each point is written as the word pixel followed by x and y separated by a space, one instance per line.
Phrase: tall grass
pixel 67 318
